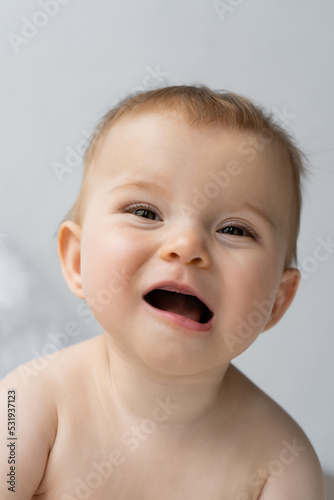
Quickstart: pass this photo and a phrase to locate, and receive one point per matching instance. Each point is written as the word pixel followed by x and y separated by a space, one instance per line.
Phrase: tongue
pixel 178 303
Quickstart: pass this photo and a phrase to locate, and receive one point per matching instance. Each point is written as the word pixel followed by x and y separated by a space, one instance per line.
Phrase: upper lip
pixel 174 286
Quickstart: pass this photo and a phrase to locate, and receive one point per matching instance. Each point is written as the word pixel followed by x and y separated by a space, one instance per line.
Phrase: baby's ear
pixel 285 295
pixel 69 248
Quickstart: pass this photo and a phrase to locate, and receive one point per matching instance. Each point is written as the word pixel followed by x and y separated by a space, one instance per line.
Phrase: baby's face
pixel 184 208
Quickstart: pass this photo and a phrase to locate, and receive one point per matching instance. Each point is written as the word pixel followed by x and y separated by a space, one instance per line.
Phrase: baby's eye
pixel 143 210
pixel 235 230
pixel 147 214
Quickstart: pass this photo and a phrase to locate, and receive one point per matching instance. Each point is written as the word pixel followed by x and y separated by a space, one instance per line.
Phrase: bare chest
pixel 132 466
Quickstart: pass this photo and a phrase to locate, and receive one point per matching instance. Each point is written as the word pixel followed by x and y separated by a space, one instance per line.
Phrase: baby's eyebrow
pixel 138 184
pixel 256 210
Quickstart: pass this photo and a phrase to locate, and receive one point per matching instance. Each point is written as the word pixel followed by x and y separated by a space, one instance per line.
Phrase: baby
pixel 182 242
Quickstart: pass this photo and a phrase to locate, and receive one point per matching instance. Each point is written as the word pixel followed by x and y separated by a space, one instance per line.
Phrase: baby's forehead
pixel 157 126
pixel 146 133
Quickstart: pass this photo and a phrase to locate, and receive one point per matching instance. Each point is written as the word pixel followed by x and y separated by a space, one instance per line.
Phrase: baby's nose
pixel 187 246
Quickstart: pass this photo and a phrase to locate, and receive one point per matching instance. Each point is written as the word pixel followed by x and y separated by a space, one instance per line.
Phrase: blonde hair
pixel 200 106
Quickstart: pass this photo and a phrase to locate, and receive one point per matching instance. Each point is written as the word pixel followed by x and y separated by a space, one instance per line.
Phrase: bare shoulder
pixel 31 432
pixel 288 467
pixel 56 365
pixel 29 398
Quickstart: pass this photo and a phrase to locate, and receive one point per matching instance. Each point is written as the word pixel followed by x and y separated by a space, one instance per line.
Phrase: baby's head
pixel 191 191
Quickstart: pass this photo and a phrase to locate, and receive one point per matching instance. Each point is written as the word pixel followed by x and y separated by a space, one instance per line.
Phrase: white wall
pixel 57 84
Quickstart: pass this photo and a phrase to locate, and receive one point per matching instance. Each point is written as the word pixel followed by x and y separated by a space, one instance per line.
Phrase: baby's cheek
pixel 249 311
pixel 109 262
pixel 259 281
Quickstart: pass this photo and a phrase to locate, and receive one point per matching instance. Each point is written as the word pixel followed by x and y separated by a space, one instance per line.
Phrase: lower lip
pixel 181 321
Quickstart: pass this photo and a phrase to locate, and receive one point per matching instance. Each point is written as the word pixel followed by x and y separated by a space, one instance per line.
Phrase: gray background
pixel 57 81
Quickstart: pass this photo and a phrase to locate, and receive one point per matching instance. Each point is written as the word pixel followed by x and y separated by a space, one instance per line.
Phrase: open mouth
pixel 185 305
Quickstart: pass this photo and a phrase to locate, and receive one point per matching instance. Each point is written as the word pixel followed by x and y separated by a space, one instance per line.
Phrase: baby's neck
pixel 172 402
